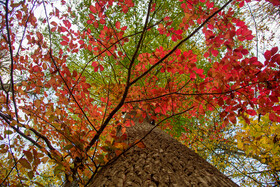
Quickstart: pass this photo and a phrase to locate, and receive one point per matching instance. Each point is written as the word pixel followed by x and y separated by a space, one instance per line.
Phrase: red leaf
pixel 252 112
pixel 74 73
pixel 157 110
pixel 125 9
pixel 67 23
pixel 215 53
pixel 19 15
pixel 240 23
pixel 92 9
pixel 199 71
pixel 36 69
pixel 244 51
pixel 221 101
pixel 273 117
pixel 101 68
pixel 89 47
pixel 65 38
pixel 95 24
pixel 174 38
pixel 276 108
pixel 63 43
pixel 63 29
pixel 124 28
pixel 274 50
pixel 206 55
pixel 192 76
pixel 178 32
pixel 223 114
pixel 209 5
pixel 274 2
pixel 53 23
pixel 103 100
pixel 118 25
pixel 102 21
pixel 241 4
pixel 232 118
pixel 96 69
pixel 129 123
pixel 210 26
pixel 94 64
pixel 267 55
pixel 274 99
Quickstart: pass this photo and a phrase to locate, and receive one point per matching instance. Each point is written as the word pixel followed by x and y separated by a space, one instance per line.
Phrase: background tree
pixel 79 74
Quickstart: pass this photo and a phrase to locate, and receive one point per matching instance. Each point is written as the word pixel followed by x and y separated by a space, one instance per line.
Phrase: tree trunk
pixel 163 162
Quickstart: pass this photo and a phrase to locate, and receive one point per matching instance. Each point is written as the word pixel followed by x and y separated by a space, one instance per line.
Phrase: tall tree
pixel 158 160
pixel 74 76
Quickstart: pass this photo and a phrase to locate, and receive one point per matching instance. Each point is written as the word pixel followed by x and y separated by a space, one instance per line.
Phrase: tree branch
pixel 116 109
pixel 179 44
pixel 11 58
pixel 8 120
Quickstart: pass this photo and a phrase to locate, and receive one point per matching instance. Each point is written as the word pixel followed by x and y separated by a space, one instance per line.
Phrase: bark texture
pixel 164 162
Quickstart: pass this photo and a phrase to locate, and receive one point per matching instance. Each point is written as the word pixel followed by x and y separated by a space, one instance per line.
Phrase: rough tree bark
pixel 164 162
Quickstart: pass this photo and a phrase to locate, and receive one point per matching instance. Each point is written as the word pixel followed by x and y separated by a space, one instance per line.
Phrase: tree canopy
pixel 70 72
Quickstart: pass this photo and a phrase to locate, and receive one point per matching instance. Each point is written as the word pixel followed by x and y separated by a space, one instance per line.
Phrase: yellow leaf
pixel 70 178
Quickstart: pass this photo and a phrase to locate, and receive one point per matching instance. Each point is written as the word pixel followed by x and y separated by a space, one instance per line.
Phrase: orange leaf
pixel 141 145
pixel 118 152
pixel 120 145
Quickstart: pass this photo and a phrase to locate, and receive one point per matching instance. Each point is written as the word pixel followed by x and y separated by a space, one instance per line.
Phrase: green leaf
pixel 8 132
pixel 58 169
pixel 68 147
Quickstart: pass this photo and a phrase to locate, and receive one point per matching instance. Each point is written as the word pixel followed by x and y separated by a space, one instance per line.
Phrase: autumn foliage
pixel 67 78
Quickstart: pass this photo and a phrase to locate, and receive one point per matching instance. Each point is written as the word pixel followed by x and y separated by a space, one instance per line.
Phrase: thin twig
pixel 12 60
pixel 25 27
pixel 55 64
pixel 192 94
